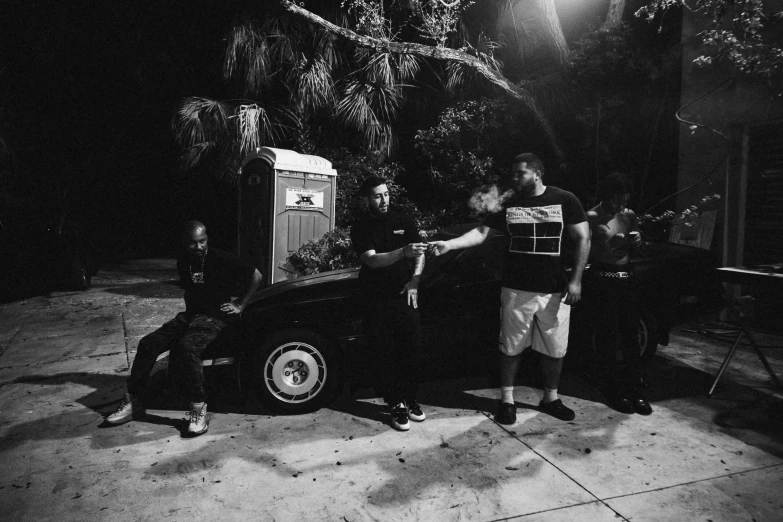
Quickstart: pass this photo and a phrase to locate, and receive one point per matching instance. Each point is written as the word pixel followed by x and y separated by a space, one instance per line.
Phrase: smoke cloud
pixel 488 200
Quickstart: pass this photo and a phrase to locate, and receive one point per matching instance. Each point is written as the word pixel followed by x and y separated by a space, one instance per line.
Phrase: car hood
pixel 313 287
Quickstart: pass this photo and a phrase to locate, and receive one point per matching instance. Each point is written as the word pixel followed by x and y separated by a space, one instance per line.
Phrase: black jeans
pixel 186 337
pixel 397 326
pixel 617 315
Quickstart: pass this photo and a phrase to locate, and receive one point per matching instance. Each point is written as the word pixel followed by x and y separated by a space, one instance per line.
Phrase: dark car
pixel 301 339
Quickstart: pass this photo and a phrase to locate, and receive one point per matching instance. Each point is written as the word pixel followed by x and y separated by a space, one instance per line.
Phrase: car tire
pixel 648 336
pixel 295 371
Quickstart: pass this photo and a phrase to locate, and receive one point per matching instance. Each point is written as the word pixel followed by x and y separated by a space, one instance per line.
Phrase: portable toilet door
pixel 285 200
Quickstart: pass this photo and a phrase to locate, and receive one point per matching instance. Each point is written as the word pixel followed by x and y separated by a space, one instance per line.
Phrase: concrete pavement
pixel 64 359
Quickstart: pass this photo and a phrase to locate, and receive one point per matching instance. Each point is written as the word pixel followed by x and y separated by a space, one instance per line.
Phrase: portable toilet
pixel 285 200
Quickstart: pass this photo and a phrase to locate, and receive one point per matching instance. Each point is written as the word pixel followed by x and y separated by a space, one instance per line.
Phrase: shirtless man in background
pixel 615 234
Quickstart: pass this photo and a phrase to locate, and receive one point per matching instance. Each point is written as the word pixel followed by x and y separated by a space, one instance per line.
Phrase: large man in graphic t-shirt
pixel 536 295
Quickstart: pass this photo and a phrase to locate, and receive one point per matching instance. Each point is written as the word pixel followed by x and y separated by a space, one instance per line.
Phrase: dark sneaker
pixel 618 399
pixel 620 404
pixel 641 406
pixel 557 410
pixel 199 421
pixel 130 408
pixel 414 411
pixel 507 413
pixel 399 415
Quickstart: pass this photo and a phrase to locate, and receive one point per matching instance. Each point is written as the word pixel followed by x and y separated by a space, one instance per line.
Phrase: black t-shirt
pixel 384 234
pixel 536 227
pixel 224 275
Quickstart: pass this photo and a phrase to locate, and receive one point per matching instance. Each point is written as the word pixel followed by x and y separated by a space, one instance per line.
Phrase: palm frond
pixel 456 76
pixel 312 84
pixel 369 107
pixel 247 50
pixel 195 154
pixel 254 128
pixel 379 69
pixel 408 66
pixel 326 47
pixel 200 120
pixel 285 46
pixel 248 117
pixel 353 107
pixel 380 137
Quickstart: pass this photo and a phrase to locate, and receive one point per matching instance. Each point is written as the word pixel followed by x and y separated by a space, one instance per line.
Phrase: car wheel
pixel 296 372
pixel 647 335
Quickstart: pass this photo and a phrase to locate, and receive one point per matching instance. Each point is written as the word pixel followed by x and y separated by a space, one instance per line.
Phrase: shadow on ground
pixel 750 415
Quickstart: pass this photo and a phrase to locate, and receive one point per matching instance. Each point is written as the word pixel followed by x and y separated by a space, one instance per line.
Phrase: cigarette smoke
pixel 487 200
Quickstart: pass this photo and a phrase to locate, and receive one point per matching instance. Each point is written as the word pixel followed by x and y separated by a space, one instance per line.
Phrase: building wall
pixel 711 148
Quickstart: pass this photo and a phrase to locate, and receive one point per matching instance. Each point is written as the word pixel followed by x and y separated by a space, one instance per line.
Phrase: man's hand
pixel 231 308
pixel 573 293
pixel 413 292
pixel 437 248
pixel 634 239
pixel 414 249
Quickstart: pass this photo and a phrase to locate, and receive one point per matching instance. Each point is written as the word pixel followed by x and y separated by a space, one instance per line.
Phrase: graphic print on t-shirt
pixel 535 230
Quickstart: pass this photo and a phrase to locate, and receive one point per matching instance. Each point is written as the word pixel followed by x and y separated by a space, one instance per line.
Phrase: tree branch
pixel 437 53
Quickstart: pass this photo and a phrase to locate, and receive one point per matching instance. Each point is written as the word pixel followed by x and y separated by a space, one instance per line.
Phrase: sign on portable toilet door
pixel 304 199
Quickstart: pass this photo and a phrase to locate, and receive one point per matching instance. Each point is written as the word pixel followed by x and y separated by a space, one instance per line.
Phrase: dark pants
pixel 617 313
pixel 397 326
pixel 186 337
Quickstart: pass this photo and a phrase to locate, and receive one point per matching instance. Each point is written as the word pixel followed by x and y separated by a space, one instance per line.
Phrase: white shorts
pixel 533 319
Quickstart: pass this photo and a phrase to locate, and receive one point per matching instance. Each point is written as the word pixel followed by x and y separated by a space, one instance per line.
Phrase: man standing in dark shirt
pixel 385 241
pixel 536 297
pixel 210 277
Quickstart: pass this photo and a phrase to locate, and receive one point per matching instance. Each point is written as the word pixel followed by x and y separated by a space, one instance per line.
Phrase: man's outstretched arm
pixel 375 260
pixel 471 238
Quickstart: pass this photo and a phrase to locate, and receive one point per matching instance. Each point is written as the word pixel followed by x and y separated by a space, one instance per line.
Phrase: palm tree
pixel 291 72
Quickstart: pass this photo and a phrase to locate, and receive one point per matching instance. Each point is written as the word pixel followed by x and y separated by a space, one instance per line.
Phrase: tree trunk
pixel 615 14
pixel 438 53
pixel 554 31
pixel 533 23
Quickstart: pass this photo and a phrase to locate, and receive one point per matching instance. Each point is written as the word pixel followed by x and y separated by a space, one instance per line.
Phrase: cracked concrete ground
pixel 64 358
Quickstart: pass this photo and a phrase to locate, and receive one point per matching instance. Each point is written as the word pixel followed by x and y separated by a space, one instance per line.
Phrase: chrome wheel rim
pixel 295 372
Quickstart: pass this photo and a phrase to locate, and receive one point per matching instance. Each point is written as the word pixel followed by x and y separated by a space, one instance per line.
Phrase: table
pixel 761 275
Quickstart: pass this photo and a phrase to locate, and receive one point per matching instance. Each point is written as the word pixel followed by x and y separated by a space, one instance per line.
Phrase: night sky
pixel 87 91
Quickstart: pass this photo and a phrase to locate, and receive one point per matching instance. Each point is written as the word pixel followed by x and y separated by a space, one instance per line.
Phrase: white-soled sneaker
pixel 399 415
pixel 130 408
pixel 414 411
pixel 199 420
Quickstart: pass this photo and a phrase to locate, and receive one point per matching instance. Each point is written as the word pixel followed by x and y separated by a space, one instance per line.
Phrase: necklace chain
pixel 198 277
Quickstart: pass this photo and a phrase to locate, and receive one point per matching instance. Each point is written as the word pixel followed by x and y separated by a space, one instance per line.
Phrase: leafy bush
pixel 352 170
pixel 457 150
pixel 332 252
